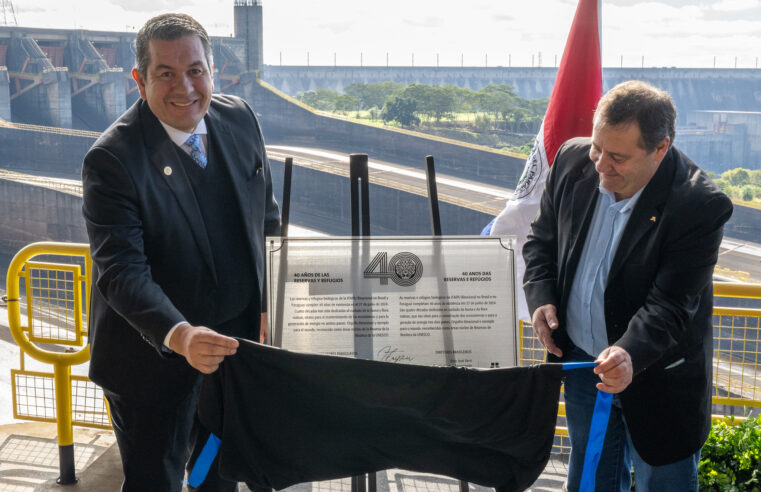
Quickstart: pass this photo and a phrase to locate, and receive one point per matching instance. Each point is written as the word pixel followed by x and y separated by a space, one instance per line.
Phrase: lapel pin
pixel 168 171
pixel 652 219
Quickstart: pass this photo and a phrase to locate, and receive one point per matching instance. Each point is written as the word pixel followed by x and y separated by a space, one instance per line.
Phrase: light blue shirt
pixel 585 314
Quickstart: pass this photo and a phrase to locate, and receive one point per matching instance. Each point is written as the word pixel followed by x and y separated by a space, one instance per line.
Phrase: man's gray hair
pixel 636 101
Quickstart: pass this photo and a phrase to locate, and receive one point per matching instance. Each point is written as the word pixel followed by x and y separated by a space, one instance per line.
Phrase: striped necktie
pixel 194 142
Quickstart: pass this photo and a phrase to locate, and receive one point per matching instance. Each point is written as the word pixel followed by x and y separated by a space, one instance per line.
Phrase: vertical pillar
pixel 113 86
pixel 248 26
pixel 57 89
pixel 5 94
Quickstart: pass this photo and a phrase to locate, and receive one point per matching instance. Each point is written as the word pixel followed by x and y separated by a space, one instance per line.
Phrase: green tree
pixel 483 123
pixel 748 193
pixel 373 95
pixel 737 177
pixel 400 109
pixel 431 100
pixel 345 102
pixel 499 100
pixel 322 99
pixel 732 191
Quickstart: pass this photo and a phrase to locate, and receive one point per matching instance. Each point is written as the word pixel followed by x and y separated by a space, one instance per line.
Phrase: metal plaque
pixel 447 301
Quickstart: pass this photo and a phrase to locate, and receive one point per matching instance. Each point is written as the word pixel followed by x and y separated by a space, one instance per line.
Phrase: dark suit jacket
pixel 659 298
pixel 153 264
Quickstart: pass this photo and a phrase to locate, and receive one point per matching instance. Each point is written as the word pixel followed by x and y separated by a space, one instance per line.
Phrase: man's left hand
pixel 615 369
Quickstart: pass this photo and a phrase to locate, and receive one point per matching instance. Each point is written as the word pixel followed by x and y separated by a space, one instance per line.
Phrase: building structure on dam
pixel 82 79
pixel 59 88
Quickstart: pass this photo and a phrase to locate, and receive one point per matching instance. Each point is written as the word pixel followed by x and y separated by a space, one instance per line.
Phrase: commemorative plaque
pixel 447 301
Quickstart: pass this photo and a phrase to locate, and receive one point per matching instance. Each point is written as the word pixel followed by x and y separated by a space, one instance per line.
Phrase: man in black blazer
pixel 619 264
pixel 177 201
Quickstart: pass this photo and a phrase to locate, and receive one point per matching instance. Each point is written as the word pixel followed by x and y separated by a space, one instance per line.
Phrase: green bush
pixel 731 457
pixel 748 192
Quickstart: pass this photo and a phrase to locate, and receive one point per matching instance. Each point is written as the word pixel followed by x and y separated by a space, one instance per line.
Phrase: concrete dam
pixel 59 88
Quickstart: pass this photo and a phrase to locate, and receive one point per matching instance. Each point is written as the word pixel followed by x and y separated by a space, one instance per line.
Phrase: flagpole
pixel 599 28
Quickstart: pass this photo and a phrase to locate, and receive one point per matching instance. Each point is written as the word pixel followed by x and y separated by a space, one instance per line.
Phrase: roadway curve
pixel 737 260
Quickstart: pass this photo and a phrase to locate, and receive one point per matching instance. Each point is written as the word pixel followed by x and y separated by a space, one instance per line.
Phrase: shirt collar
pixel 179 137
pixel 624 206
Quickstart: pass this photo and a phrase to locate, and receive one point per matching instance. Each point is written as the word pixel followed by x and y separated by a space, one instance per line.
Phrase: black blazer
pixel 659 298
pixel 153 264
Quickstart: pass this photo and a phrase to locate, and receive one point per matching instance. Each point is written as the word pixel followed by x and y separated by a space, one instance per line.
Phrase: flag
pixel 578 87
pixel 286 418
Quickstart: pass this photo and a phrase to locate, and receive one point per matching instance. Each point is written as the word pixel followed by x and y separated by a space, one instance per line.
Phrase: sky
pixel 657 33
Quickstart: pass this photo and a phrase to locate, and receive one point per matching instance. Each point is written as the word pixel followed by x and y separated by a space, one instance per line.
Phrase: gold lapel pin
pixel 652 219
pixel 168 172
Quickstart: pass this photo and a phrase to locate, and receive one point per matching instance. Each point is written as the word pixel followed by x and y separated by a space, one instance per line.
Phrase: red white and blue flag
pixel 578 87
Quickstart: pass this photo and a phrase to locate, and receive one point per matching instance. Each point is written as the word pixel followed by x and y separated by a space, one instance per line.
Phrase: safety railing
pixel 48 295
pixel 736 357
pixel 48 302
pixel 737 348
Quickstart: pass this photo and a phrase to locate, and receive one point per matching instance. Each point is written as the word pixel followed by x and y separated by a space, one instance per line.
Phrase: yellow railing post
pixel 61 362
pixel 64 424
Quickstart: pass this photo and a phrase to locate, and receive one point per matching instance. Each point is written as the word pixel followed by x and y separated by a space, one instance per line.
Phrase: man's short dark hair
pixel 636 101
pixel 168 27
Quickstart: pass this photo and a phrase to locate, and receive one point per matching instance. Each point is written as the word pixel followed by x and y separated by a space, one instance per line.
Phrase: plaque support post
pixel 360 200
pixel 433 196
pixel 358 176
pixel 285 214
pixel 433 205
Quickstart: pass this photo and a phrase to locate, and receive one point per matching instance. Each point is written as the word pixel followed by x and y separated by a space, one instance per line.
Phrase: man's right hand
pixel 545 321
pixel 203 348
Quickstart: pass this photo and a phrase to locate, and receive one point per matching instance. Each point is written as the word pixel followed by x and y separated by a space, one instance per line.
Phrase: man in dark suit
pixel 177 201
pixel 619 264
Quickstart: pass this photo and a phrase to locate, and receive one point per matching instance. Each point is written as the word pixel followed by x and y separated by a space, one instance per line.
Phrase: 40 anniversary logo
pixel 404 269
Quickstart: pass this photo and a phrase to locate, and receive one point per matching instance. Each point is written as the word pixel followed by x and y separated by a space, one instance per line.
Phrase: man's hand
pixel 545 321
pixel 615 369
pixel 203 348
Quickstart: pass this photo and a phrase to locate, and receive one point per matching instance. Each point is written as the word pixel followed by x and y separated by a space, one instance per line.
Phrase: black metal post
pixel 358 484
pixel 354 192
pixel 372 482
pixel 433 202
pixel 66 465
pixel 358 172
pixel 275 338
pixel 433 195
pixel 285 213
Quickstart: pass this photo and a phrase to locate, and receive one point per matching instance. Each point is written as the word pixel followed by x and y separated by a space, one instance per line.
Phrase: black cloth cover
pixel 287 417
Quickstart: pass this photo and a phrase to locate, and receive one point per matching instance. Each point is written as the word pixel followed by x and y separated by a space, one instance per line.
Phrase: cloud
pixel 504 18
pixel 426 22
pixel 336 27
pixel 736 5
pixel 151 5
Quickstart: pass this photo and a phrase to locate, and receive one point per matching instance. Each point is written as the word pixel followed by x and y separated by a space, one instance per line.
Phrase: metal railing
pixel 55 313
pixel 736 358
pixel 47 304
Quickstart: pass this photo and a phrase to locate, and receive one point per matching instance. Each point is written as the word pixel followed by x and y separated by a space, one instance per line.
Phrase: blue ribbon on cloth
pixel 204 461
pixel 600 417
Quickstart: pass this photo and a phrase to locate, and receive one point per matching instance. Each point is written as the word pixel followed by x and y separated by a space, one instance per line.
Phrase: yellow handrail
pixel 61 362
pixel 737 289
pixel 14 309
